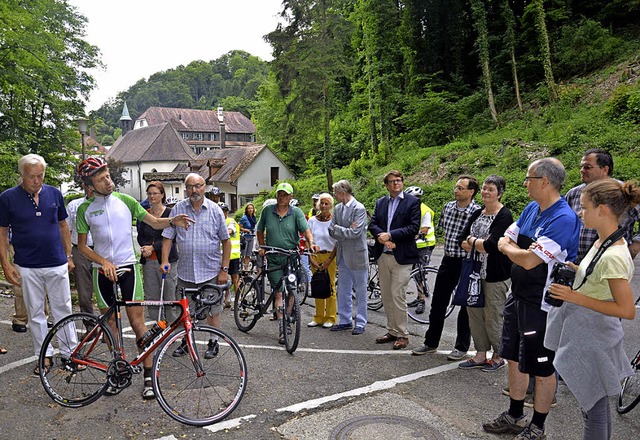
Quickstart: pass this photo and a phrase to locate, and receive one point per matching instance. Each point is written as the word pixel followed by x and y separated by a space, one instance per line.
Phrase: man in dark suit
pixel 394 224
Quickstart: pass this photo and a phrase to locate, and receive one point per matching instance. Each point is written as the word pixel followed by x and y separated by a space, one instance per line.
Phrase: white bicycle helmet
pixel 415 191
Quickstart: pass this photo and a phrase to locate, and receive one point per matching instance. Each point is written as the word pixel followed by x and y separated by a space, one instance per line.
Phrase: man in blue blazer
pixel 394 224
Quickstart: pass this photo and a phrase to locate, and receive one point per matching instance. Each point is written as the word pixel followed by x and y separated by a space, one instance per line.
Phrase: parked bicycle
pixel 89 358
pixel 420 288
pixel 630 394
pixel 250 303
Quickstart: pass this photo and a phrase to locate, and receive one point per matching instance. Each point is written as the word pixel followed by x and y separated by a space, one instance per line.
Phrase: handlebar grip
pixel 219 287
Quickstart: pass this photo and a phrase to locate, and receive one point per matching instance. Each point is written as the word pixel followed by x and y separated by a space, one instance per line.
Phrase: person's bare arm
pixel 65 233
pixel 622 305
pixel 10 272
pixel 524 258
pixel 182 220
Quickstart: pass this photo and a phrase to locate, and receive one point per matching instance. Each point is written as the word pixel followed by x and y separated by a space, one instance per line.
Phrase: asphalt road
pixel 335 386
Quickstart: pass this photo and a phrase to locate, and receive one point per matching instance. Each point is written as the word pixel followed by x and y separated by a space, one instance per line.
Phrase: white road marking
pixel 229 424
pixel 376 386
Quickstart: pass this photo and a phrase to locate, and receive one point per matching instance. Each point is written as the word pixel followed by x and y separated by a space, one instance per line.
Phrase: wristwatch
pixel 69 257
pixel 225 268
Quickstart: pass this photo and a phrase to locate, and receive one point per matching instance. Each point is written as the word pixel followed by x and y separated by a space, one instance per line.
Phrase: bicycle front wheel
pixel 246 306
pixel 630 394
pixel 80 349
pixel 420 294
pixel 199 391
pixel 302 286
pixel 290 320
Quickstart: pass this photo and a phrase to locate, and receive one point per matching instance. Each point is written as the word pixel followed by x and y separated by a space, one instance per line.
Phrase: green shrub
pixel 624 105
pixel 583 47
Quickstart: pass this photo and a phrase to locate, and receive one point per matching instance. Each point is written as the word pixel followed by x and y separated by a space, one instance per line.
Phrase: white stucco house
pixel 159 152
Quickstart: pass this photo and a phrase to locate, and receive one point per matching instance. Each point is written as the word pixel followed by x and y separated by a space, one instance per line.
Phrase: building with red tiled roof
pixel 158 151
pixel 158 148
pixel 201 129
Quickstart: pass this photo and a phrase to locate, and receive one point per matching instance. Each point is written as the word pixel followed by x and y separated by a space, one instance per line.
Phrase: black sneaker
pixel 420 308
pixel 180 351
pixel 506 423
pixel 212 350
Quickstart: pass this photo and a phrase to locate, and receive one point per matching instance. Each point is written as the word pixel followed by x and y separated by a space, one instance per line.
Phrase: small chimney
pixel 223 134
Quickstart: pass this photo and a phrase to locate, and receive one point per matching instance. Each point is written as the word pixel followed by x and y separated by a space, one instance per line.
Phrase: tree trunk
pixel 480 21
pixel 510 41
pixel 545 51
pixel 514 70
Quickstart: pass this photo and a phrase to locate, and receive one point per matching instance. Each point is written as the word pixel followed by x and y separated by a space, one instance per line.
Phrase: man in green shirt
pixel 282 224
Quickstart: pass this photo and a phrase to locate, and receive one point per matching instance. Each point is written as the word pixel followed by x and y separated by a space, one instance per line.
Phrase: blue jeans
pixel 348 281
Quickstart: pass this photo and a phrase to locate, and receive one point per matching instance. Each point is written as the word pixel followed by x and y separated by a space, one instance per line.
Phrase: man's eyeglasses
pixel 394 182
pixel 459 188
pixel 528 178
pixel 196 186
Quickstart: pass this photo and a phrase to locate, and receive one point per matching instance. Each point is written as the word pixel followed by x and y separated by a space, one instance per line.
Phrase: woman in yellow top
pixel 586 332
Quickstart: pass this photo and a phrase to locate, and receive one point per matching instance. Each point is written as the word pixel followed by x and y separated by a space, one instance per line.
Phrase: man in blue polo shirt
pixel 40 236
pixel 547 232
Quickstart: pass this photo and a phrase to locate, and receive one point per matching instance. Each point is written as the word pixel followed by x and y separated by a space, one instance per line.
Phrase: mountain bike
pixel 250 303
pixel 88 358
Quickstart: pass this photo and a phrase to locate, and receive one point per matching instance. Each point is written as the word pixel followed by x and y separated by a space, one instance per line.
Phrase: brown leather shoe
pixel 401 343
pixel 386 338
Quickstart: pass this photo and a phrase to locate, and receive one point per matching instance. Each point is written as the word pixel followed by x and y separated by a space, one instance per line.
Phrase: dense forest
pixel 371 77
pixel 433 87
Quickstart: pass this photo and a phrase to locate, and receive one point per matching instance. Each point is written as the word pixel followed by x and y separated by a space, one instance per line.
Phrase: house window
pixel 177 190
pixel 199 136
pixel 275 175
pixel 185 136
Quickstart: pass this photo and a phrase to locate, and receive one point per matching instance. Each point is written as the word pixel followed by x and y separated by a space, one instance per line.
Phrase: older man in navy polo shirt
pixel 40 236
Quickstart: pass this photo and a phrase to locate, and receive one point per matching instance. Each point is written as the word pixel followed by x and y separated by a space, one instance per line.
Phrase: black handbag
pixel 320 285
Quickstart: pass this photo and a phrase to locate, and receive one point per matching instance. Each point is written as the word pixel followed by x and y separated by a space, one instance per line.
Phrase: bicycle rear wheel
pixel 194 397
pixel 290 320
pixel 421 281
pixel 246 306
pixel 374 298
pixel 81 350
pixel 630 394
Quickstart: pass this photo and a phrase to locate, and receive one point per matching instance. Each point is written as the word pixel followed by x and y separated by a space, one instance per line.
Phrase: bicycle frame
pixel 183 320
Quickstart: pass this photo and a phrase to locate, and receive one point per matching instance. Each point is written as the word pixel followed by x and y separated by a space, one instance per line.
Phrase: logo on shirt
pixel 96 213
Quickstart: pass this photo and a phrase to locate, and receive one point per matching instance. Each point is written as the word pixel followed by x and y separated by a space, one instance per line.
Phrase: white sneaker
pixel 327 325
pixel 313 324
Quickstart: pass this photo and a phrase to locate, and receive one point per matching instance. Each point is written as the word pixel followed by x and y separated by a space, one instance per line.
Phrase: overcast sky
pixel 140 37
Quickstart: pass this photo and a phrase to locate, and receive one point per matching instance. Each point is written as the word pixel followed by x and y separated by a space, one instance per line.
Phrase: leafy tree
pixel 43 65
pixel 311 60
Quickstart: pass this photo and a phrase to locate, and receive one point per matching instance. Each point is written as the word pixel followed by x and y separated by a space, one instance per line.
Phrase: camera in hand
pixel 563 274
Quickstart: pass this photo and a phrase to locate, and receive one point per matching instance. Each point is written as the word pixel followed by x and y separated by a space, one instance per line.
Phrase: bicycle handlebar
pixel 208 301
pixel 281 251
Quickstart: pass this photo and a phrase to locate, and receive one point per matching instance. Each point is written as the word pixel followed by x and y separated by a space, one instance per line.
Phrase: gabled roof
pixel 155 143
pixel 233 162
pixel 184 119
